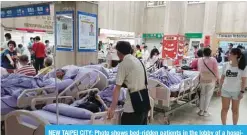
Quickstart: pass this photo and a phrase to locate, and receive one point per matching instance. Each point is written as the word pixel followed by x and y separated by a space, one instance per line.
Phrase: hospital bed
pixel 34 122
pixel 11 103
pixel 164 98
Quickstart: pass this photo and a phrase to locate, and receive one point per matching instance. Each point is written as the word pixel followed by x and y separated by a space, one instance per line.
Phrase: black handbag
pixel 140 99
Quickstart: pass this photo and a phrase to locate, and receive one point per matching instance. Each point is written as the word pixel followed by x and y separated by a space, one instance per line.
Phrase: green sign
pixel 193 35
pixel 153 35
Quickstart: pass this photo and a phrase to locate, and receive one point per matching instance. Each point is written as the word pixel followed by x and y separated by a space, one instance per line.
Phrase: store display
pixel 64 31
pixel 87 30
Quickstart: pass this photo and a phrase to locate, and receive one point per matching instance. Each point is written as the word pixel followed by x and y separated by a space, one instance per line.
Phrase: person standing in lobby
pixel 209 74
pixel 5 44
pixel 232 85
pixel 132 75
pixel 39 53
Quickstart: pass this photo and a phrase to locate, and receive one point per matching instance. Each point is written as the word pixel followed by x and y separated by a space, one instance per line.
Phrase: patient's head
pixel 60 73
pixel 48 62
pixel 24 60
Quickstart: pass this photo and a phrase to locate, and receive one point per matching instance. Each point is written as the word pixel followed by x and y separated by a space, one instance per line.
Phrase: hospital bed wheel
pixel 166 121
pixel 2 126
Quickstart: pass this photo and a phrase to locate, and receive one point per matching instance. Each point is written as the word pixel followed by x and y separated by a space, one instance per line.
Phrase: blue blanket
pixel 167 78
pixel 14 84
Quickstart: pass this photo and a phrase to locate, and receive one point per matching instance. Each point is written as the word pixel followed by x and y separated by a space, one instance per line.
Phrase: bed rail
pixel 103 83
pixel 24 101
pixel 13 119
pixel 77 85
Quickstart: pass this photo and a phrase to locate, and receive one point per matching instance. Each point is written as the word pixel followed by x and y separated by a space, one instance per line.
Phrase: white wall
pixel 121 15
pixel 154 20
pixel 232 17
pixel 195 18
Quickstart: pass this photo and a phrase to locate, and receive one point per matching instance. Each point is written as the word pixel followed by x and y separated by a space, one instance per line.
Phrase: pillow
pixel 69 111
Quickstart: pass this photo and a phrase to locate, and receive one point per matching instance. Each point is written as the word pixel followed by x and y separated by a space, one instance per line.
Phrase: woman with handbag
pixel 208 68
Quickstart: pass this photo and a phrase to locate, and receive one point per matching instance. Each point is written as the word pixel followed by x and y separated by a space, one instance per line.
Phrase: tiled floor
pixel 188 114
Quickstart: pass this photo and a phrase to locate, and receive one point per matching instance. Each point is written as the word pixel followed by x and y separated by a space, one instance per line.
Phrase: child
pixel 25 68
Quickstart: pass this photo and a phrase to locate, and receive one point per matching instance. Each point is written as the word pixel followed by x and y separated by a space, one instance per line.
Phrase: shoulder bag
pixel 208 68
pixel 140 99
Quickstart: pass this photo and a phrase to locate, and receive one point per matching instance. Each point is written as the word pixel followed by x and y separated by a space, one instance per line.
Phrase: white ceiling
pixel 5 4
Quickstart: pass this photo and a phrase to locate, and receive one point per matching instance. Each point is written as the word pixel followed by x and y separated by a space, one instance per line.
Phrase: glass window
pixel 155 3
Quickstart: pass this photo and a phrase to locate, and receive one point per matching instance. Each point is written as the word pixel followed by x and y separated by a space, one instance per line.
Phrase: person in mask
pixel 30 44
pixel 20 49
pixel 47 48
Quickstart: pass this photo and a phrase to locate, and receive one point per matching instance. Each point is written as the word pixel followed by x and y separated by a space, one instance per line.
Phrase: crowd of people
pixel 234 70
pixel 25 60
pixel 133 59
pixel 205 62
pixel 140 52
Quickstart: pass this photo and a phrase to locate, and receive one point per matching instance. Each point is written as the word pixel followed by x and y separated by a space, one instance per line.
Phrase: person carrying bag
pixel 132 75
pixel 208 68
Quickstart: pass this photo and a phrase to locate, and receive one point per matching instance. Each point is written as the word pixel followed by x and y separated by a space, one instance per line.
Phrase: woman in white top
pixel 232 84
pixel 154 57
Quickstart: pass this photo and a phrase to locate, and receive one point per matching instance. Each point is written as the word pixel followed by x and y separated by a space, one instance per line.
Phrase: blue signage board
pixel 23 11
pixel 145 130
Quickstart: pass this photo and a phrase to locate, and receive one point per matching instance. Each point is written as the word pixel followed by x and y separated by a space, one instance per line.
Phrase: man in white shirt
pixel 132 74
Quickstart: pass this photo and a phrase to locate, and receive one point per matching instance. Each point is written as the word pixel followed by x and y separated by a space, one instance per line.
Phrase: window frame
pixel 156 4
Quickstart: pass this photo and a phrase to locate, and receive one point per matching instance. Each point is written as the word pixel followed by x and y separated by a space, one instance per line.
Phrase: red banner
pixel 173 46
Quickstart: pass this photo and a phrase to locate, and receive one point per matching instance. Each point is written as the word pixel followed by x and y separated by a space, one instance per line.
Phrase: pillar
pixel 74 57
pixel 175 17
pixel 210 22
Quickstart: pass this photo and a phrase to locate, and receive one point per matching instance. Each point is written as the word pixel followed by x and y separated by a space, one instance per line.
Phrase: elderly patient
pixel 48 66
pixel 25 69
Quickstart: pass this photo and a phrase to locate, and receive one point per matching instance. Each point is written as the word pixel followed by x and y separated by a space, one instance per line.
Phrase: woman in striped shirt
pixel 25 69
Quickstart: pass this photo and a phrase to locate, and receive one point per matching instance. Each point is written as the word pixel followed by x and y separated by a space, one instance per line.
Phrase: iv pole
pixel 55 67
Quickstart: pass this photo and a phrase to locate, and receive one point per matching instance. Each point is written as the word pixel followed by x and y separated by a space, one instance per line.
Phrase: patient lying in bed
pixel 169 79
pixel 79 112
